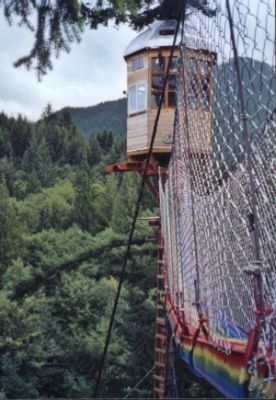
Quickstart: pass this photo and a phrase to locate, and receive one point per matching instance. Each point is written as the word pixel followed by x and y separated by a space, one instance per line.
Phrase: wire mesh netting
pixel 218 202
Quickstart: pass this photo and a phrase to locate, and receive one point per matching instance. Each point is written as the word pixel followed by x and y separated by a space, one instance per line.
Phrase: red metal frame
pixel 153 170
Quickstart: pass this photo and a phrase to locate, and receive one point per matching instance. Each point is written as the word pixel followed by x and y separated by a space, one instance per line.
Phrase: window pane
pixel 141 97
pixel 132 99
pixel 157 82
pixel 167 32
pixel 158 64
pixel 172 99
pixel 173 66
pixel 137 63
pixel 204 94
pixel 140 61
pixel 172 82
pixel 155 99
pixel 203 67
pixel 134 64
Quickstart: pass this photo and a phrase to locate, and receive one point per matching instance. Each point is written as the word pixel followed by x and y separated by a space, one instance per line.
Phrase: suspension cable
pixel 139 383
pixel 137 209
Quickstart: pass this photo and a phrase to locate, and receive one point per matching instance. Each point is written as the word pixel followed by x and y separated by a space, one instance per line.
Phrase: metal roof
pixel 161 34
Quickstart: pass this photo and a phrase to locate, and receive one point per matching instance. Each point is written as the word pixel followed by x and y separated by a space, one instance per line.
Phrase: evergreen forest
pixel 64 227
pixel 62 241
pixel 108 115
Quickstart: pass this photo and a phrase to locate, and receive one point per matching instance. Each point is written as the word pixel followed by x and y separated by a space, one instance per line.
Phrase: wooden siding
pixel 138 76
pixel 137 131
pixel 165 52
pixel 164 134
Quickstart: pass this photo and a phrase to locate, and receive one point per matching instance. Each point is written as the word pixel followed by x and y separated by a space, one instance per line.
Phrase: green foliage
pixel 5 144
pixel 93 155
pixel 104 207
pixel 51 208
pixel 63 321
pixel 20 135
pixel 60 263
pixel 124 204
pixel 36 161
pixel 168 10
pixel 10 235
pixel 85 204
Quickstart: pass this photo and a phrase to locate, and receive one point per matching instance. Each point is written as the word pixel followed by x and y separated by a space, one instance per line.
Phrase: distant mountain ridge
pixel 109 115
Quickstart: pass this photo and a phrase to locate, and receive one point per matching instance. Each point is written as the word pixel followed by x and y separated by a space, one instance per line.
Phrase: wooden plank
pixel 137 131
pixel 164 134
pixel 136 77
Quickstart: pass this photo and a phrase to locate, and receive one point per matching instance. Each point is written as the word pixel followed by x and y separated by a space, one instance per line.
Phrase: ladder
pixel 161 342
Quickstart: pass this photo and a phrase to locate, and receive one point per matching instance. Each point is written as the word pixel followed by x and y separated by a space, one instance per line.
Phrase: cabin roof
pixel 161 34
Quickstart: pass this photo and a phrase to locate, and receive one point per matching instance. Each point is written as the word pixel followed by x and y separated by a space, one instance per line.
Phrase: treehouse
pixel 147 58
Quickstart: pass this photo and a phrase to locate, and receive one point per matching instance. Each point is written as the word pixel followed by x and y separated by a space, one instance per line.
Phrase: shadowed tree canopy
pixel 58 23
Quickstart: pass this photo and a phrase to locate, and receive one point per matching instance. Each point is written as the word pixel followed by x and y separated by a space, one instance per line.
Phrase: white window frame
pixel 133 106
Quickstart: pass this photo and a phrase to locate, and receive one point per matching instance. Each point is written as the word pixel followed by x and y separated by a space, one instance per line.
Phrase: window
pixel 137 98
pixel 158 71
pixel 167 32
pixel 137 63
pixel 198 84
pixel 158 65
pixel 132 99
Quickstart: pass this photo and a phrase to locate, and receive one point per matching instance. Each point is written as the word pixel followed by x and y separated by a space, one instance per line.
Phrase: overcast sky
pixel 92 72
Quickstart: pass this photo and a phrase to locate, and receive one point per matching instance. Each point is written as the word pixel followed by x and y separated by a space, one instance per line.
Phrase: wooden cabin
pixel 147 58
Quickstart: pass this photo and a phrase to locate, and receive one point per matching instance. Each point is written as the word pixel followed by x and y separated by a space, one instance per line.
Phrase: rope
pixel 139 383
pixel 136 212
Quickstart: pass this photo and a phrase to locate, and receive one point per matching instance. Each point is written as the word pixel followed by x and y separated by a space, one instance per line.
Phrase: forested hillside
pixel 110 115
pixel 62 241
